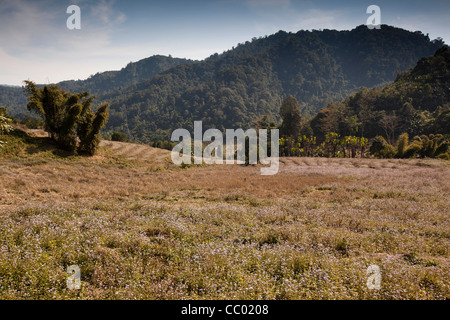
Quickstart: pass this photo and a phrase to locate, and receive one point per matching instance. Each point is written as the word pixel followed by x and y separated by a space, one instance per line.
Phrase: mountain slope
pixel 417 102
pixel 133 73
pixel 235 88
pixel 97 84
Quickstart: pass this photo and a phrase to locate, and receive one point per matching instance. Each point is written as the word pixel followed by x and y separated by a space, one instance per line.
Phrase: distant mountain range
pixel 132 74
pixel 154 96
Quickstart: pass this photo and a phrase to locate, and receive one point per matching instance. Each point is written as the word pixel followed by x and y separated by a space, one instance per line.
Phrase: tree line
pixel 295 141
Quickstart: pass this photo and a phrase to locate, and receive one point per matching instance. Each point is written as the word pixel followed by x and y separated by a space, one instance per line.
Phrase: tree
pixel 264 122
pixel 68 117
pixel 365 114
pixel 402 145
pixel 389 123
pixel 89 128
pixel 291 117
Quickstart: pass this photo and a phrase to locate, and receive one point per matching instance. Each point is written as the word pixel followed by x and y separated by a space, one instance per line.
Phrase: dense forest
pixel 240 86
pixel 133 73
pixel 417 102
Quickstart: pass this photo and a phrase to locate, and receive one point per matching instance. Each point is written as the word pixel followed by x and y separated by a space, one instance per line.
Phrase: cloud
pixel 23 23
pixel 105 12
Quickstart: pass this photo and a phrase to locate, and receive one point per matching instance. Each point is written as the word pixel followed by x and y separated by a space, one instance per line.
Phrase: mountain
pixel 235 88
pixel 417 102
pixel 97 84
pixel 133 73
pixel 14 99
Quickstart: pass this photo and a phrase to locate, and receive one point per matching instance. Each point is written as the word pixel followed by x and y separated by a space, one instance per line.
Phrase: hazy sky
pixel 35 43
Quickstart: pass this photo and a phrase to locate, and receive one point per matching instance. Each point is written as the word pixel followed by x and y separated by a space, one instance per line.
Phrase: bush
pixel 431 146
pixel 119 136
pixel 402 145
pixel 4 126
pixel 380 148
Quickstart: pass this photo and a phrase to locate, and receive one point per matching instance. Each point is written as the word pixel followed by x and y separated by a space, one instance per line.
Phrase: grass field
pixel 140 228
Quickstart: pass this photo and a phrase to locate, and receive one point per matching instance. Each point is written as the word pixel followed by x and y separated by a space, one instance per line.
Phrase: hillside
pixel 417 102
pixel 97 84
pixel 233 89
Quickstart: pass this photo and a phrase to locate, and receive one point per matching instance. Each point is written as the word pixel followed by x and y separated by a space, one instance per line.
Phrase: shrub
pixel 4 126
pixel 402 145
pixel 380 148
pixel 119 136
pixel 432 146
pixel 444 156
pixel 68 117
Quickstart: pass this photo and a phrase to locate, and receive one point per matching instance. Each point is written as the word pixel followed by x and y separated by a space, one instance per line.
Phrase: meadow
pixel 141 228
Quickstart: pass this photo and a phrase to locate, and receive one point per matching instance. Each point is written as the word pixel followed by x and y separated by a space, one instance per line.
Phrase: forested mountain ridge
pixel 98 84
pixel 134 72
pixel 417 102
pixel 236 87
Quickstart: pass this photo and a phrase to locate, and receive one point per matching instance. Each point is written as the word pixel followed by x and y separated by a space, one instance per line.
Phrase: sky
pixel 35 43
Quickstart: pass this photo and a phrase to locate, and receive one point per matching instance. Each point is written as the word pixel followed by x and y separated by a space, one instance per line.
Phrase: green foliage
pixel 351 145
pixel 336 117
pixel 232 89
pixel 291 117
pixel 380 148
pixel 119 136
pixel 5 121
pixel 402 145
pixel 168 145
pixel 333 146
pixel 68 117
pixel 32 123
pixel 4 112
pixel 430 146
pixel 417 103
pixel 152 97
pixel 4 126
pixel 89 128
pixel 134 72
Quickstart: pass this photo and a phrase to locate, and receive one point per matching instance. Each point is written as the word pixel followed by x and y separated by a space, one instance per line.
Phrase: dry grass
pixel 140 228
